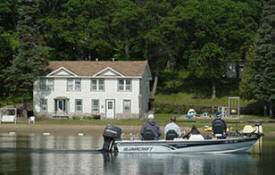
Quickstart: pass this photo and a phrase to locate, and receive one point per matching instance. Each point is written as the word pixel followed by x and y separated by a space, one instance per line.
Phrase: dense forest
pixel 183 40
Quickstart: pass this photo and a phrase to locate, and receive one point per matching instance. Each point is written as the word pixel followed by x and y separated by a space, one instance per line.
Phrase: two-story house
pixel 111 89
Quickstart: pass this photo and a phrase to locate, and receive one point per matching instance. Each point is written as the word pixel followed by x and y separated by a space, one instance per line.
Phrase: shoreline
pixel 63 129
pixel 66 129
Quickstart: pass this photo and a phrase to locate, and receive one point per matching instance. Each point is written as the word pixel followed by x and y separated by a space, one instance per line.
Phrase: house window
pixel 124 85
pixel 126 106
pixel 46 84
pixel 43 85
pixel 78 105
pixel 95 106
pixel 50 84
pixel 77 84
pixel 43 105
pixel 101 84
pixel 128 86
pixel 73 84
pixel 120 85
pixel 97 85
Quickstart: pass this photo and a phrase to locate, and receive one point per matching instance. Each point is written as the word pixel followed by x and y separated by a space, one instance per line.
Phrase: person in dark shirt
pixel 152 126
pixel 219 126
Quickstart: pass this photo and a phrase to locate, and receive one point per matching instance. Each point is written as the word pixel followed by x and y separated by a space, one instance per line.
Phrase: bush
pixel 170 108
pixel 253 109
pixel 163 108
pixel 166 108
pixel 89 118
pixel 76 118
pixel 96 116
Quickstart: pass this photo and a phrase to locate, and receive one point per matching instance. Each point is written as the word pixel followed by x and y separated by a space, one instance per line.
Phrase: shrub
pixel 76 118
pixel 163 108
pixel 170 108
pixel 96 116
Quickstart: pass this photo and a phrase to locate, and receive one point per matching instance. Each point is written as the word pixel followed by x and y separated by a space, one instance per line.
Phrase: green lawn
pixel 161 119
pixel 191 99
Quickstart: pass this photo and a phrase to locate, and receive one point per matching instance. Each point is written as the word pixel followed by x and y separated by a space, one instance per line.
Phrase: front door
pixel 60 106
pixel 110 109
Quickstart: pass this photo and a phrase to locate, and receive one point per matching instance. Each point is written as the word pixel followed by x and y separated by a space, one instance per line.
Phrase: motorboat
pixel 195 143
pixel 241 144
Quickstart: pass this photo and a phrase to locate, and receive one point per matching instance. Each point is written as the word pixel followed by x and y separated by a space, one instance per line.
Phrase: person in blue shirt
pixel 150 127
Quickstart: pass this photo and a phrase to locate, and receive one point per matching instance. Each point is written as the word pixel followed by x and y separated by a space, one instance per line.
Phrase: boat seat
pixel 148 135
pixel 218 129
pixel 171 134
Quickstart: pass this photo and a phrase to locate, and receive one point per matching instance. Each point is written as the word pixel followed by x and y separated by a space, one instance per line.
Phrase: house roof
pixel 89 68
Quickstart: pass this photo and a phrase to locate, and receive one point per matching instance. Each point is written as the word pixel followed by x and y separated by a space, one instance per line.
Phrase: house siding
pixel 110 92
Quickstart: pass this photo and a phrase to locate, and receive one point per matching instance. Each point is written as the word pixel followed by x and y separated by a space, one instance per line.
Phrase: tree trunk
pixel 126 50
pixel 24 112
pixel 270 109
pixel 265 109
pixel 213 89
pixel 154 90
pixel 170 62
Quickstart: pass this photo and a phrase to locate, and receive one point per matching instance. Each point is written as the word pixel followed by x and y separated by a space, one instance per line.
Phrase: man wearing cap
pixel 172 126
pixel 151 126
pixel 219 126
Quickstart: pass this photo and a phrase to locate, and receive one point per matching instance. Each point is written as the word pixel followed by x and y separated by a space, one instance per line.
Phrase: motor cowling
pixel 111 134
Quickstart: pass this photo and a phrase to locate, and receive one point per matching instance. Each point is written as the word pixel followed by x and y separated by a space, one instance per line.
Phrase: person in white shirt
pixel 172 126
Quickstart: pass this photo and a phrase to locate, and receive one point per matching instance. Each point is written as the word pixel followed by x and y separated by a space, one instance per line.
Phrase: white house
pixel 111 89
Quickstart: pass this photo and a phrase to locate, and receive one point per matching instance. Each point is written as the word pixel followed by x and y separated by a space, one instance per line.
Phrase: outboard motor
pixel 111 134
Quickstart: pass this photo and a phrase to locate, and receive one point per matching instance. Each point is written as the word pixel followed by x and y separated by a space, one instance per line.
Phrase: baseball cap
pixel 151 116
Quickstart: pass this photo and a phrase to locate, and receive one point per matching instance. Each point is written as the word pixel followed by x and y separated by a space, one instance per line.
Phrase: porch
pixel 61 107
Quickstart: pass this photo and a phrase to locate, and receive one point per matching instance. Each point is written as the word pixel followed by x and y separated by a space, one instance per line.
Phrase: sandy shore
pixel 62 129
pixel 56 129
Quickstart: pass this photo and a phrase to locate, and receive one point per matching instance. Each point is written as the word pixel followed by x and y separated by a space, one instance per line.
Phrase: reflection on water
pixel 196 164
pixel 37 154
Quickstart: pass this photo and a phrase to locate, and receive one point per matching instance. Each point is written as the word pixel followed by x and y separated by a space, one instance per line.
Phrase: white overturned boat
pixel 191 145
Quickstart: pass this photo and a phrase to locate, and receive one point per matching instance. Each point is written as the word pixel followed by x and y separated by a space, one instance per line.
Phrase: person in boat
pixel 219 126
pixel 194 134
pixel 172 130
pixel 150 129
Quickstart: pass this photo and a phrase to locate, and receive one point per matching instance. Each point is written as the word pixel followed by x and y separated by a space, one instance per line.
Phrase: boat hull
pixel 186 146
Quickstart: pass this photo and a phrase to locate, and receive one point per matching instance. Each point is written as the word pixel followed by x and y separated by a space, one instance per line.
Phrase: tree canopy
pixel 193 39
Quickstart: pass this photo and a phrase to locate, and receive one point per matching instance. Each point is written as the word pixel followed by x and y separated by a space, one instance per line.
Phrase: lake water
pixel 49 155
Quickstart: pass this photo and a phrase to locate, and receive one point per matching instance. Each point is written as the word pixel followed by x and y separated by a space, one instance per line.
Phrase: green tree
pixel 30 60
pixel 77 30
pixel 8 40
pixel 265 58
pixel 247 84
pixel 218 32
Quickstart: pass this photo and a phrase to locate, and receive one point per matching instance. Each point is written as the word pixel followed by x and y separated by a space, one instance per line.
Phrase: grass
pixel 161 119
pixel 268 128
pixel 131 122
pixel 191 99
